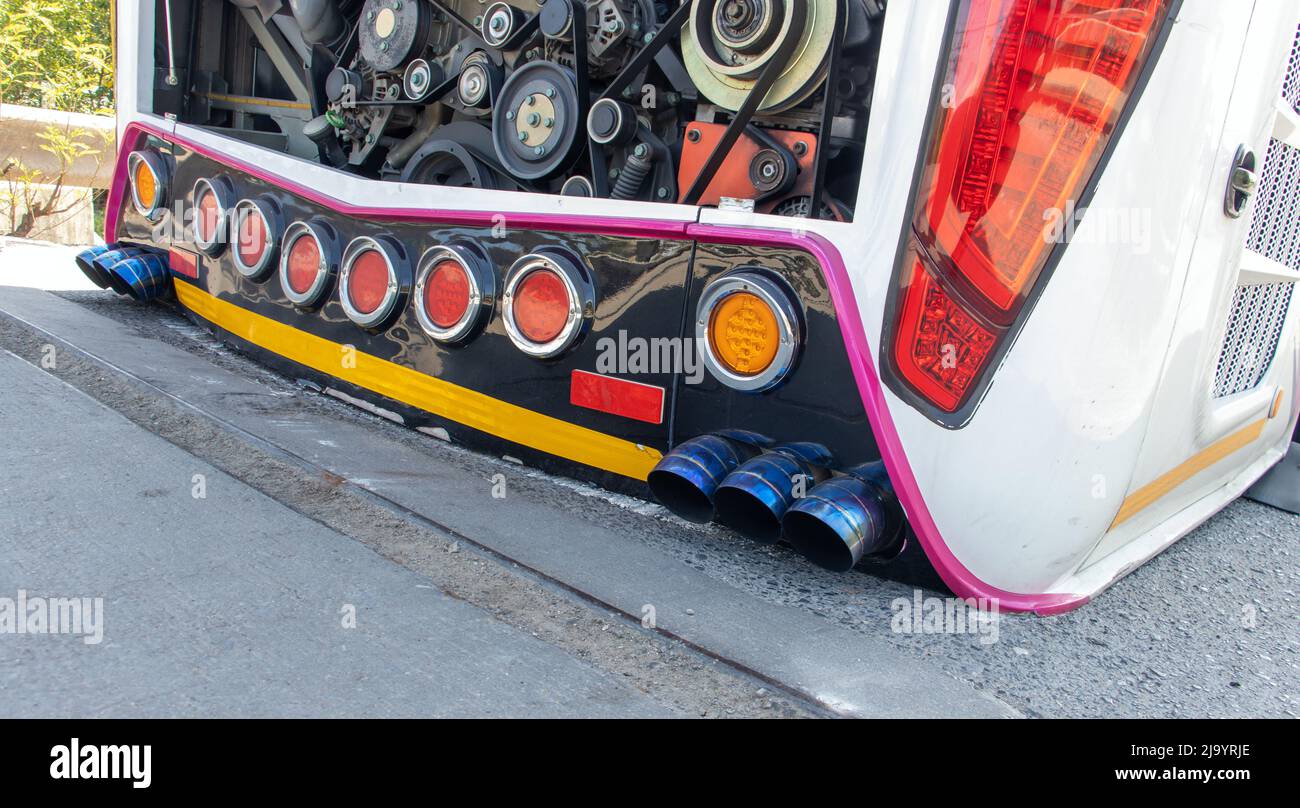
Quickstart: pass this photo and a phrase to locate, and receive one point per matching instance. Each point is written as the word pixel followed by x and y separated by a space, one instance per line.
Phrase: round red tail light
pixel 212 200
pixel 373 282
pixel 454 291
pixel 549 301
pixel 256 227
pixel 209 212
pixel 303 265
pixel 368 282
pixel 307 263
pixel 541 305
pixel 446 293
pixel 252 241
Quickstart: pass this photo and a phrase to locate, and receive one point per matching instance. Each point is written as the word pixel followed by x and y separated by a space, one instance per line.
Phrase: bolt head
pixel 523 136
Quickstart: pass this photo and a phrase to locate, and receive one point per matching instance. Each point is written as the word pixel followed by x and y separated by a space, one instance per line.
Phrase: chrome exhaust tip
pixel 685 480
pixel 846 519
pixel 752 499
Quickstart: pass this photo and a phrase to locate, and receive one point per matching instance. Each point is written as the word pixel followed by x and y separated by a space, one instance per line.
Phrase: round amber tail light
pixel 150 172
pixel 748 329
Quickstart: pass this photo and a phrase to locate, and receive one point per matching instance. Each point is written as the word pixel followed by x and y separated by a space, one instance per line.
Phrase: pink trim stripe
pixel 962 581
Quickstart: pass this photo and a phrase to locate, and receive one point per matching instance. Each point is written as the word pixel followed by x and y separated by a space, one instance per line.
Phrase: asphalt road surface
pixel 534 604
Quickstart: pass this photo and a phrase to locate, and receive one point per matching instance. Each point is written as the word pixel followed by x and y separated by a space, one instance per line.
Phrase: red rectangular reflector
pixel 183 263
pixel 642 402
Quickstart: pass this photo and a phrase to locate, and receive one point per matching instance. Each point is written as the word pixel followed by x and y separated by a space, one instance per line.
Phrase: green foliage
pixel 56 54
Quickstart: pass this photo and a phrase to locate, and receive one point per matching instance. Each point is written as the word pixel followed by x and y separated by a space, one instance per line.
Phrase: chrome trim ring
pixel 327 245
pixel 788 321
pixel 161 171
pixel 582 302
pixel 270 213
pixel 482 291
pixel 398 280
pixel 223 191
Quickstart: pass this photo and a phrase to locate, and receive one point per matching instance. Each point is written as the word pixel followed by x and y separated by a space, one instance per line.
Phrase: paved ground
pixel 230 603
pixel 1208 628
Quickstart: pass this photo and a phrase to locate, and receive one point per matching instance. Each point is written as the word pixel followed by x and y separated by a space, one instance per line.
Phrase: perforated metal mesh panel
pixel 1259 311
pixel 1291 84
pixel 1275 224
pixel 1254 329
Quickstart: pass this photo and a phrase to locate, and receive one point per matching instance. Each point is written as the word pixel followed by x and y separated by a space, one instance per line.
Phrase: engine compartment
pixel 758 104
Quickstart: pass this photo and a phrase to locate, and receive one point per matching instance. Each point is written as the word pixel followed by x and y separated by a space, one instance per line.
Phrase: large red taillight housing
pixel 1033 95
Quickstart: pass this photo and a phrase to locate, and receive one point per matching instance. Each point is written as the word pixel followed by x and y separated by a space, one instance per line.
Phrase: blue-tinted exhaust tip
pixel 846 519
pixel 145 276
pixel 104 264
pixel 753 498
pixel 86 263
pixel 685 480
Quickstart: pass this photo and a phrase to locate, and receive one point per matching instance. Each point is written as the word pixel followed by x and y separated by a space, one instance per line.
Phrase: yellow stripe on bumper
pixel 1147 495
pixel 433 395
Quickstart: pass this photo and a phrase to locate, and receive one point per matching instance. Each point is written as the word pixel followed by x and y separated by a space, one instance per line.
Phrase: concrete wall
pixel 21 130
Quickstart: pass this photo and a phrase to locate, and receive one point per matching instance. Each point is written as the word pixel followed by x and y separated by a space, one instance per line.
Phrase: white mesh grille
pixel 1291 84
pixel 1275 222
pixel 1259 311
pixel 1254 329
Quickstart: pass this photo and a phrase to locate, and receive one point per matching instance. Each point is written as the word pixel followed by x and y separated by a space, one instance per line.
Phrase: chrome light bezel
pixel 482 291
pixel 398 281
pixel 160 168
pixel 779 299
pixel 270 213
pixel 223 191
pixel 579 289
pixel 327 245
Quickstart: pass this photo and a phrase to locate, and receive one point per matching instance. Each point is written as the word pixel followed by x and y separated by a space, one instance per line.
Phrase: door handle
pixel 1242 182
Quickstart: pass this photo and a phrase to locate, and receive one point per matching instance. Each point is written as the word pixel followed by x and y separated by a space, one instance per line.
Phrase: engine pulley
pixel 391 32
pixel 727 43
pixel 537 123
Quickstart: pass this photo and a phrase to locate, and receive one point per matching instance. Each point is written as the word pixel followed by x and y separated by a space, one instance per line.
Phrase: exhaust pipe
pixel 86 263
pixel 103 265
pixel 847 518
pixel 685 480
pixel 145 277
pixel 753 498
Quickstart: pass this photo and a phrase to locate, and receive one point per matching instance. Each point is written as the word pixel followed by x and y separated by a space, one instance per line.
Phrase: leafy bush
pixel 56 54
